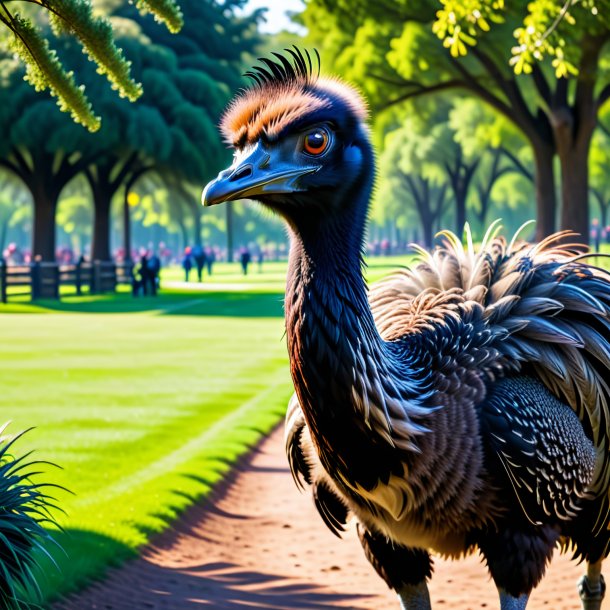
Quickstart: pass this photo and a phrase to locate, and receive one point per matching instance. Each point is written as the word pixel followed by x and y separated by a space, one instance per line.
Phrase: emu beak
pixel 255 172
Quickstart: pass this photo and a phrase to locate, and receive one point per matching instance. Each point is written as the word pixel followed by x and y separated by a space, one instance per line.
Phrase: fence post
pixel 35 279
pixel 96 277
pixel 56 281
pixel 2 280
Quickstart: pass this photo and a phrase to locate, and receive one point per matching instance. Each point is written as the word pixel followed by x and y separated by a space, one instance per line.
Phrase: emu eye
pixel 316 142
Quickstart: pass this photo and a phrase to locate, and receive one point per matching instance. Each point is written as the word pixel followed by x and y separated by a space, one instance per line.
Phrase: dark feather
pixel 281 71
pixel 332 509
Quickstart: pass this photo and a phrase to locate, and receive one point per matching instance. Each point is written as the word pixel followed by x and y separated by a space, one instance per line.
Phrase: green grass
pixel 145 403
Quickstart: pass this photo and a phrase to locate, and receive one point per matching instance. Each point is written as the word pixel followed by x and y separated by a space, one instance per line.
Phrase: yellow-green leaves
pixel 547 30
pixel 459 22
pixel 539 38
pixel 44 71
pixel 75 18
pixel 164 11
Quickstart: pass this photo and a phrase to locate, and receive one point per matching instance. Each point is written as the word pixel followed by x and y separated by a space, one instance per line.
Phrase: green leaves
pixel 164 11
pixel 24 510
pixel 548 29
pixel 459 23
pixel 75 18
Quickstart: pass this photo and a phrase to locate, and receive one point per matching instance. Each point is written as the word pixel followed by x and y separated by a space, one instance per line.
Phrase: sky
pixel 276 15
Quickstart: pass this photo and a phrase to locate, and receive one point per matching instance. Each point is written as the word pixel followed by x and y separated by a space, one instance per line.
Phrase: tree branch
pixel 604 96
pixel 424 90
pixel 124 171
pixel 542 84
pixel 517 163
pixel 470 83
pixel 12 167
pixel 509 87
pixel 137 174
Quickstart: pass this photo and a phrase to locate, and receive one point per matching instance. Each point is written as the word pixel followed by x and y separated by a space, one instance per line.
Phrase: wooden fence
pixel 41 280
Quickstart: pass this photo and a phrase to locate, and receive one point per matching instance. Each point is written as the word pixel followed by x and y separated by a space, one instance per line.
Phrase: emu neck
pixel 346 377
pixel 328 318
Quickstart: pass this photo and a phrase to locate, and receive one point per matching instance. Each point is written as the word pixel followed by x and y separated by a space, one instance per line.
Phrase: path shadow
pixel 190 584
pixel 221 586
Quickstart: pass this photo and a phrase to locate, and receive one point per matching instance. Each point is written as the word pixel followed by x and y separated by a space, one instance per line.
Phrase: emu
pixel 460 405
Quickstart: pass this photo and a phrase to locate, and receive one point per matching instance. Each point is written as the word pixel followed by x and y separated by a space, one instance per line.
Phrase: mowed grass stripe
pixel 145 406
pixel 220 429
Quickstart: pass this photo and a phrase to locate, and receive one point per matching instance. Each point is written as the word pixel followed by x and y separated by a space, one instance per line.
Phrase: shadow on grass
pixel 232 304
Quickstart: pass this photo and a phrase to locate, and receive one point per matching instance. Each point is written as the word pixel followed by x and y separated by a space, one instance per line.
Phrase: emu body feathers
pixel 504 339
pixel 461 404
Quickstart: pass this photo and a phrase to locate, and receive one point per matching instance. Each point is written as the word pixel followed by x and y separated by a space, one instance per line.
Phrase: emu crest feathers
pixel 284 91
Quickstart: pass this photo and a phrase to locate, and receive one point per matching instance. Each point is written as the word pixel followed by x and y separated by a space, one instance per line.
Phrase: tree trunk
pixel 427 220
pixel 575 192
pixel 229 209
pixel 126 227
pixel 460 211
pixel 100 247
pixel 3 233
pixel 544 184
pixel 603 214
pixel 43 239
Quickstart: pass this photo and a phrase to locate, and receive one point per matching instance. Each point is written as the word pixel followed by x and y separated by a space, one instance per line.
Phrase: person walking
pixel 244 259
pixel 187 263
pixel 199 256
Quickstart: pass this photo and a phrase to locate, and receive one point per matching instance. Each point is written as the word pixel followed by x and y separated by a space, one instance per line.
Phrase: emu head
pixel 300 140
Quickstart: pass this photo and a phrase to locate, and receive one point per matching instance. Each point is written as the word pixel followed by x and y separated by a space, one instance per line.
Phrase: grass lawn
pixel 144 403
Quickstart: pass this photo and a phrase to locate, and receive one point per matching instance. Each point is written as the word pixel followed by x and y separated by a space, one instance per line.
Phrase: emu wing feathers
pixel 547 310
pixel 306 469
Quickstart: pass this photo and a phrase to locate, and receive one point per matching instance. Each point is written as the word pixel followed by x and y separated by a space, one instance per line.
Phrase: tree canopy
pixel 76 18
pixel 171 128
pixel 550 80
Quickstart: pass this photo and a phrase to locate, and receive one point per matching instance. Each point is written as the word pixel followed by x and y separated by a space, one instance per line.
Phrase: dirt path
pixel 258 543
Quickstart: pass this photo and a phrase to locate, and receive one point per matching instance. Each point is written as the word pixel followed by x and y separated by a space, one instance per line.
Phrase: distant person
pixel 144 273
pixel 260 258
pixel 210 259
pixel 199 256
pixel 187 263
pixel 154 269
pixel 244 259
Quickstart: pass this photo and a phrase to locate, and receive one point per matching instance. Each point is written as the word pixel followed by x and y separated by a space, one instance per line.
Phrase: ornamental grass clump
pixel 25 515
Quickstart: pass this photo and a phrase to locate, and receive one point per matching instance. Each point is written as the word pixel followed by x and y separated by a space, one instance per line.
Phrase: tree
pixel 171 130
pixel 408 49
pixel 44 69
pixel 478 129
pixel 420 166
pixel 600 170
pixel 11 204
pixel 42 148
